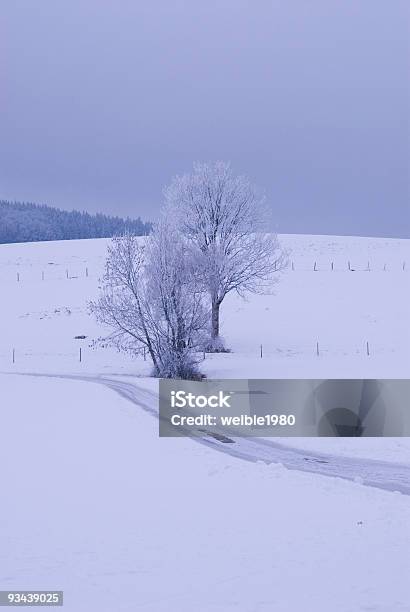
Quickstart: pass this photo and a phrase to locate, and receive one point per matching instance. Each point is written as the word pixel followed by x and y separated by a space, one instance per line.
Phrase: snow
pixel 96 504
pixel 341 310
pixel 396 450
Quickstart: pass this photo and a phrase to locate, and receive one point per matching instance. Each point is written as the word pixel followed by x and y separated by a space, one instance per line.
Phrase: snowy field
pixel 96 504
pixel 333 312
pixel 47 287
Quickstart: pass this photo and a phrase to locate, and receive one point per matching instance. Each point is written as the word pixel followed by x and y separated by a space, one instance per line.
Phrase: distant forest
pixel 26 222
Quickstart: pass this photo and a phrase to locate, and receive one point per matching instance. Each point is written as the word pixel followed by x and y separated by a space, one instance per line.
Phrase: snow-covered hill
pixel 359 306
pixel 97 504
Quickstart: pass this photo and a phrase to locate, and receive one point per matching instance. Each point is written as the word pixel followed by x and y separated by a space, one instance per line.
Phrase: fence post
pixel 314 267
pixel 204 354
pixel 80 354
pixel 348 265
pixel 86 272
pixel 42 276
pixel 332 267
pixel 404 265
pixel 18 277
pixel 368 266
pixel 14 355
pixel 66 273
pixel 367 348
pixel 261 353
pixel 317 349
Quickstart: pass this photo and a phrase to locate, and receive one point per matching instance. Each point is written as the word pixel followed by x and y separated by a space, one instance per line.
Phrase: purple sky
pixel 102 102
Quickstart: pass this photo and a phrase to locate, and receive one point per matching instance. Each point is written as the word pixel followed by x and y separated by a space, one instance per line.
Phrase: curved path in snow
pixel 381 474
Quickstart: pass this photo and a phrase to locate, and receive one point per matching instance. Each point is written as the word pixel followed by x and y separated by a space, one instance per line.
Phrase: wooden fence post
pixel 367 348
pixel 261 351
pixel 317 349
pixel 14 355
pixel 80 354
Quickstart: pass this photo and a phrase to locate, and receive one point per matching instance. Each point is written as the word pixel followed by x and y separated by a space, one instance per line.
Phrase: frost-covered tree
pixel 150 298
pixel 225 223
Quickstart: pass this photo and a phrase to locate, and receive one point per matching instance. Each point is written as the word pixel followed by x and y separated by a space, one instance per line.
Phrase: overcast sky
pixel 103 101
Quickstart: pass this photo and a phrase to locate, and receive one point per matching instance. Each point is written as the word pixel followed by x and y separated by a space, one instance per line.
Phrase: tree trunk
pixel 215 320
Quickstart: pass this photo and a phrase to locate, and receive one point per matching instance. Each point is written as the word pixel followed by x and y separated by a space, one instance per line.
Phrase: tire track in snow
pixel 380 474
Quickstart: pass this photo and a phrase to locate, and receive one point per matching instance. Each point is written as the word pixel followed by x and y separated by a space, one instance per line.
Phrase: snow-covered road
pixel 380 474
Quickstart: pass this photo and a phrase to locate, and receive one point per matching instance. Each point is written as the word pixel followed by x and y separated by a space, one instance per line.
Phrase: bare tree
pixel 225 222
pixel 150 298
